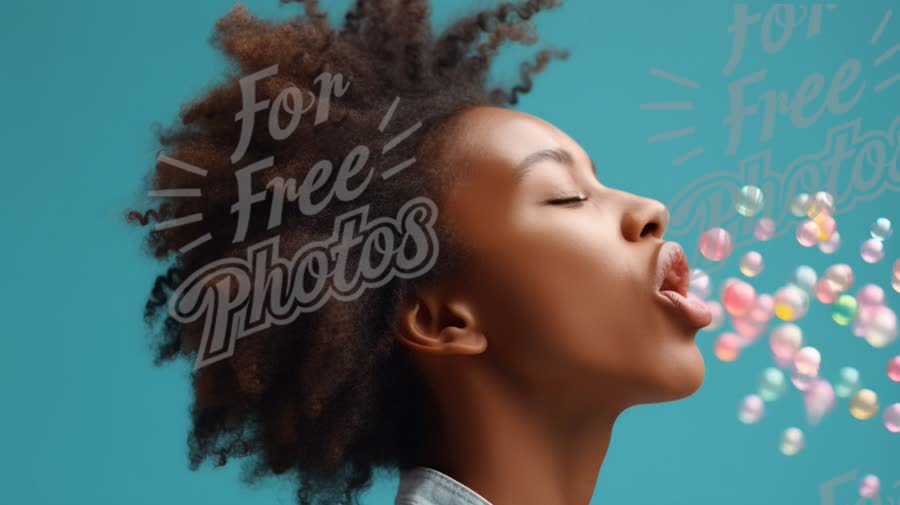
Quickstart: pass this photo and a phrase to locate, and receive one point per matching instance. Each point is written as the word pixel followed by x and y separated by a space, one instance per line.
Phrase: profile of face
pixel 572 295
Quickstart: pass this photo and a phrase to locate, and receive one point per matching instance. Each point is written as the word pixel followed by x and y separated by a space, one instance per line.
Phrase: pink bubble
pixel 841 275
pixel 748 328
pixel 763 309
pixel 827 225
pixel 818 398
pixel 699 283
pixel 870 294
pixel 727 282
pixel 863 319
pixel 807 233
pixel 801 380
pixel 791 303
pixel 872 250
pixel 738 298
pixel 891 418
pixel 718 315
pixel 869 486
pixel 751 410
pixel 881 328
pixel 728 346
pixel 764 229
pixel 805 368
pixel 893 369
pixel 782 362
pixel 826 291
pixel 897 268
pixel 831 244
pixel 716 244
pixel 807 360
pixel 822 202
pixel 784 342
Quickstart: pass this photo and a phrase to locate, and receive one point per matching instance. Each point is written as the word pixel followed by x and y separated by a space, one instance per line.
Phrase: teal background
pixel 86 418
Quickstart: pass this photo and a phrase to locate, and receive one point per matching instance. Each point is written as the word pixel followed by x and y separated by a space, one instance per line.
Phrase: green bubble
pixel 844 310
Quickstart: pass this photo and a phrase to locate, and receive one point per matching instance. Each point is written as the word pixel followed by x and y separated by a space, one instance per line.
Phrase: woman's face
pixel 566 293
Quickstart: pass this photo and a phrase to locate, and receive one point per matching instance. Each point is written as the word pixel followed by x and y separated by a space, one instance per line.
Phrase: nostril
pixel 649 228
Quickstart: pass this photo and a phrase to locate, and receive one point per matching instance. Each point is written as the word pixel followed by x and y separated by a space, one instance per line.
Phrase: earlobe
pixel 433 325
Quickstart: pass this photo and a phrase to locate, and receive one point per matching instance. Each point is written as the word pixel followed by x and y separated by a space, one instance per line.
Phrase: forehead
pixel 488 135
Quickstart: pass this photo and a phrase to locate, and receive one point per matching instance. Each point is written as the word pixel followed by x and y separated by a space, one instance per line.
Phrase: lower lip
pixel 691 310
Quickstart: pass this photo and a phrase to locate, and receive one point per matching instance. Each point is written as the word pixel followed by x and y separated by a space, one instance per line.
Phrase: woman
pixel 494 377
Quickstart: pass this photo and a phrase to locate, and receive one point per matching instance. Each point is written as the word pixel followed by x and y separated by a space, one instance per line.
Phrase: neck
pixel 517 448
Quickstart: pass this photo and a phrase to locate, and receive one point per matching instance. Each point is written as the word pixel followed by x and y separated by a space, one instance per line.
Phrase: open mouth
pixel 673 279
pixel 673 270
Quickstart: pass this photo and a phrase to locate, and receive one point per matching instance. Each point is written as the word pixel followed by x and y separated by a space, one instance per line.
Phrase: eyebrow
pixel 555 154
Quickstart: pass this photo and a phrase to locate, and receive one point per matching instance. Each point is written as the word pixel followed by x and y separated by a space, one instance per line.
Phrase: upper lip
pixel 672 269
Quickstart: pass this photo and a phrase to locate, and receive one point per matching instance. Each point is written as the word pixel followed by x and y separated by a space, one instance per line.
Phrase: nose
pixel 643 217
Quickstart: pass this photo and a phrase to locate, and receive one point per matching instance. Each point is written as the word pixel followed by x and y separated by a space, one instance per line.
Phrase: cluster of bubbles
pixel 864 312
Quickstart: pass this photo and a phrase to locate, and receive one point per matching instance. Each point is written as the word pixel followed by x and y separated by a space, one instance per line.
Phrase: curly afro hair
pixel 332 396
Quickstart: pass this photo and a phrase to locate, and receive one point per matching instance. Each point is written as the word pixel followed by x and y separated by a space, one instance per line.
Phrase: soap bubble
pixel 831 244
pixel 699 284
pixel 818 400
pixel 848 382
pixel 897 268
pixel 750 201
pixel 807 233
pixel 791 441
pixel 738 298
pixel 869 486
pixel 895 283
pixel 841 275
pixel 772 384
pixel 805 368
pixel 844 310
pixel 807 360
pixel 893 369
pixel 751 264
pixel 881 229
pixel 716 244
pixel 872 250
pixel 728 346
pixel 826 224
pixel 881 327
pixel 764 229
pixel 870 295
pixel 763 309
pixel 804 277
pixel 891 418
pixel 784 342
pixel 752 409
pixel 799 204
pixel 864 404
pixel 718 315
pixel 748 328
pixel 821 203
pixel 826 292
pixel 791 303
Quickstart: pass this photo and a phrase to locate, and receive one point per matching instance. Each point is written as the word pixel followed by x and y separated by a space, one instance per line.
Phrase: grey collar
pixel 422 485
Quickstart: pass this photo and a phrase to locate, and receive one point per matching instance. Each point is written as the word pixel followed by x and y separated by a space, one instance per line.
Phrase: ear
pixel 434 323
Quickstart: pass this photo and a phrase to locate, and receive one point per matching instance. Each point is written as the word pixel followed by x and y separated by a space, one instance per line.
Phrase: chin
pixel 682 378
pixel 693 373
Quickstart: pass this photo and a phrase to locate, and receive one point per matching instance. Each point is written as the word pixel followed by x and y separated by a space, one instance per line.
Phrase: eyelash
pixel 562 199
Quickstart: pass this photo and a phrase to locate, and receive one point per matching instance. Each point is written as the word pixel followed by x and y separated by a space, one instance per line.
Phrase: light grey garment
pixel 422 485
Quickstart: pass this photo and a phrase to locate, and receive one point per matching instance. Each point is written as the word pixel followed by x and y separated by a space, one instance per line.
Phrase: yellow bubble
pixel 864 404
pixel 784 312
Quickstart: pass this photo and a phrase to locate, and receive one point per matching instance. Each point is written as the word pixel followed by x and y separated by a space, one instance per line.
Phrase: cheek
pixel 568 304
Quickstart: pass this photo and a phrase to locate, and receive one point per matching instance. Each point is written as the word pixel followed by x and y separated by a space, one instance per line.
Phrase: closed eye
pixel 567 200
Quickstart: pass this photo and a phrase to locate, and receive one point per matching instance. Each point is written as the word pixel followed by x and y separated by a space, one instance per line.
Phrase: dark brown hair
pixel 330 397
